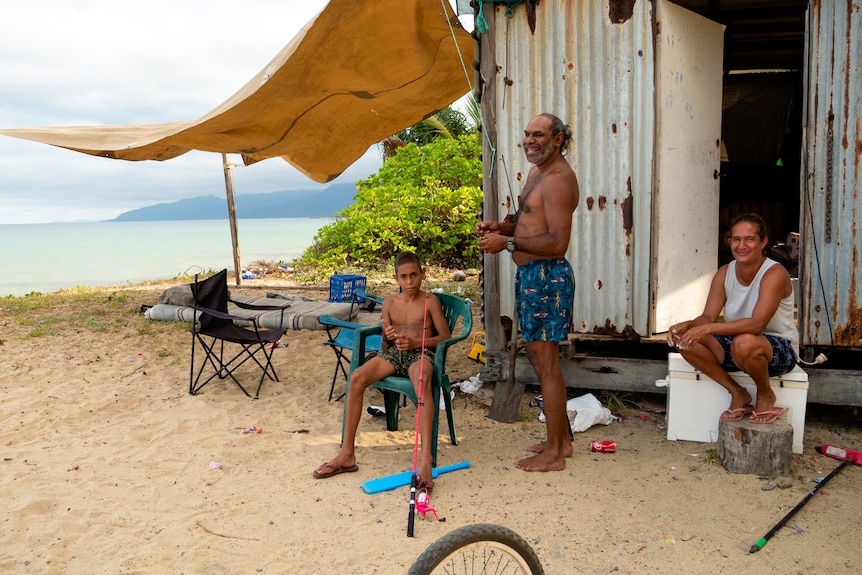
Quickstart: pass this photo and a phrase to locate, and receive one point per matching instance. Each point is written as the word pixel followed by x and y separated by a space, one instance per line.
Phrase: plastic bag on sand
pixel 586 411
pixel 471 385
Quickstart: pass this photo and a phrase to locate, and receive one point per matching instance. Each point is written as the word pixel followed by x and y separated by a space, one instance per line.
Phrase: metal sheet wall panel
pixel 592 63
pixel 831 306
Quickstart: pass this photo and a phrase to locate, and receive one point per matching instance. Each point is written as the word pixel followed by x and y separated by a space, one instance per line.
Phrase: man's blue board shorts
pixel 544 296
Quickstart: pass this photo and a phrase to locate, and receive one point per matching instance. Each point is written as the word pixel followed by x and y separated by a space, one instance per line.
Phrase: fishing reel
pixel 423 505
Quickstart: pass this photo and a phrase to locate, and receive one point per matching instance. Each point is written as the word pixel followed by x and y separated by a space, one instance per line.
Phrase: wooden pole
pixel 508 392
pixel 486 82
pixel 231 214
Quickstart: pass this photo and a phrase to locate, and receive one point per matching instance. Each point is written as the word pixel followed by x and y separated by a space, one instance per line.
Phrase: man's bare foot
pixel 541 447
pixel 544 461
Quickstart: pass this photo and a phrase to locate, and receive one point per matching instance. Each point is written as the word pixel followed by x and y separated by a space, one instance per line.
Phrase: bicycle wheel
pixel 478 549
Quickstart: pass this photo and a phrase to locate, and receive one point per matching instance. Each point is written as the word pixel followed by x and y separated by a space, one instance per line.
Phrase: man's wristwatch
pixel 510 245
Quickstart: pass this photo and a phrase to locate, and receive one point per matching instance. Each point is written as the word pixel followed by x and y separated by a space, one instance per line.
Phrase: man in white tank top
pixel 758 334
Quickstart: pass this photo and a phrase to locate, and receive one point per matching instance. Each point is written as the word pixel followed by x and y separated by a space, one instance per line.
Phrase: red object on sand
pixel 603 446
pixel 841 453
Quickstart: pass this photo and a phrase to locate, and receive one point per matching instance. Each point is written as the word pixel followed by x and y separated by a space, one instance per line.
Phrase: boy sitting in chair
pixel 407 317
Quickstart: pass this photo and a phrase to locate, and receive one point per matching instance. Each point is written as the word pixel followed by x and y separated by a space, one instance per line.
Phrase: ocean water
pixel 47 257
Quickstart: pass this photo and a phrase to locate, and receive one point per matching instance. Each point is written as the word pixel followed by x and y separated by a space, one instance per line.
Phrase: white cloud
pixel 96 62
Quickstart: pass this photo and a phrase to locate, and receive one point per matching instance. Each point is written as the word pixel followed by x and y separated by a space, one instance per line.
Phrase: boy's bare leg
pixel 374 370
pixel 545 359
pixel 426 422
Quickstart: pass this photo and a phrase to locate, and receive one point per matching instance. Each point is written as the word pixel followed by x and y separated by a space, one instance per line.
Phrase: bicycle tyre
pixel 478 549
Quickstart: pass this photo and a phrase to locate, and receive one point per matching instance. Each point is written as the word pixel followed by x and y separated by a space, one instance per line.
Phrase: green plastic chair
pixel 455 309
pixel 340 334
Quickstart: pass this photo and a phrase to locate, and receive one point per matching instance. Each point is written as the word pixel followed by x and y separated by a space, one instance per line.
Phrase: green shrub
pixel 426 199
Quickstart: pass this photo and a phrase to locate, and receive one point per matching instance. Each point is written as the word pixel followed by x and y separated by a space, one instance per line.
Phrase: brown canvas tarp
pixel 356 74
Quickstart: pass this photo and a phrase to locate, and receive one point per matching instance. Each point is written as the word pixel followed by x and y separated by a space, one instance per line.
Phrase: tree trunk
pixel 755 448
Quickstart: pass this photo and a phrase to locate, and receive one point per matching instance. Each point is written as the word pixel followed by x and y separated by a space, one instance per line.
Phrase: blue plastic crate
pixel 341 287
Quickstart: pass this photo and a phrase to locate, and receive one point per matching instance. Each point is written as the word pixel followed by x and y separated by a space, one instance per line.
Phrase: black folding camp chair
pixel 340 335
pixel 215 326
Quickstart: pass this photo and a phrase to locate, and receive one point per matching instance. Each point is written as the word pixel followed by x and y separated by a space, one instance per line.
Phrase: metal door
pixel 684 237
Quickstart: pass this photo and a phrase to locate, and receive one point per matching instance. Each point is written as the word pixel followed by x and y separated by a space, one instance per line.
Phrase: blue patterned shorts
pixel 783 358
pixel 544 295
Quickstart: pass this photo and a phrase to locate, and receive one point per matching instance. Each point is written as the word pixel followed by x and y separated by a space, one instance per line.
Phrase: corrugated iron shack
pixel 684 115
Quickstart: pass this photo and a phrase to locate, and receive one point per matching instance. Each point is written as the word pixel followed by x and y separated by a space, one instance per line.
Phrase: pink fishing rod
pixel 414 480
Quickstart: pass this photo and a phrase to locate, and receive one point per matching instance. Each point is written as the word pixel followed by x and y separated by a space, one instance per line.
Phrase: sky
pixel 97 62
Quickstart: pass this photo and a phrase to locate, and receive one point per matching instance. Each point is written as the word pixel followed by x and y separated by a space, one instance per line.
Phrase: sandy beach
pixel 109 466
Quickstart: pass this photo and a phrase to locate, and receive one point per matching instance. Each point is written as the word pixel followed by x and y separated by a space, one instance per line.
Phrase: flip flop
pixel 773 414
pixel 737 413
pixel 334 470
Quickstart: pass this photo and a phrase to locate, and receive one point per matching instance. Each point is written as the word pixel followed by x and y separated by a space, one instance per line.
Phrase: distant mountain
pixel 289 204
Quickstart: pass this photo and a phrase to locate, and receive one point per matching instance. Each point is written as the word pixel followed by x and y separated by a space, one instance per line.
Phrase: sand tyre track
pixel 477 549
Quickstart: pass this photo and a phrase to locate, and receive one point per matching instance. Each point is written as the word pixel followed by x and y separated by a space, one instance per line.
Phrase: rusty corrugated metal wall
pixel 590 62
pixel 831 293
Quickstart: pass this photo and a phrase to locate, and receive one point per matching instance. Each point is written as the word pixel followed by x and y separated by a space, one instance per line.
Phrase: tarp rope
pixel 470 83
pixel 481 23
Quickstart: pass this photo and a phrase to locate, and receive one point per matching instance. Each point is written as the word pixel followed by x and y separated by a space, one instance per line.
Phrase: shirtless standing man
pixel 538 237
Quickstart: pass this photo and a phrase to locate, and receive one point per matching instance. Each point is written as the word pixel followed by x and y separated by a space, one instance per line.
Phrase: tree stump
pixel 755 448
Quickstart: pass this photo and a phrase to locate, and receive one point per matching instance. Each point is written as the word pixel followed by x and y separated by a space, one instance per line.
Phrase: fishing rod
pixel 414 479
pixel 846 456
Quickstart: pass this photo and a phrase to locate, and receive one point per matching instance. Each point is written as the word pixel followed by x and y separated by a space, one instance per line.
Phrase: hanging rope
pixel 470 83
pixel 481 23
